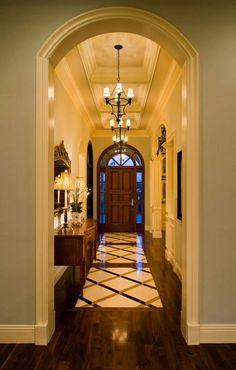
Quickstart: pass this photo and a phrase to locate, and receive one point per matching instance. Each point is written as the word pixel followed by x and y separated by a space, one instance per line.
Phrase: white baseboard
pixel 218 333
pixel 195 334
pixel 17 333
pixel 190 332
pixel 44 331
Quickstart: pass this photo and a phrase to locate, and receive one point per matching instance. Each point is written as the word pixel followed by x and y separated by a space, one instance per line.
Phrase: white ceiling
pixel 92 65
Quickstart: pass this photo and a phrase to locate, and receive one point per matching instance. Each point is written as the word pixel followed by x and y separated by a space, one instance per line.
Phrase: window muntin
pixel 128 158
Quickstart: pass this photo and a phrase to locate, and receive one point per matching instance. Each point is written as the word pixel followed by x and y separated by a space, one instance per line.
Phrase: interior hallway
pixel 127 338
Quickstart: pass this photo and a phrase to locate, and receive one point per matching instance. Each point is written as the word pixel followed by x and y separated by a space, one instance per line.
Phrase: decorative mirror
pixel 62 163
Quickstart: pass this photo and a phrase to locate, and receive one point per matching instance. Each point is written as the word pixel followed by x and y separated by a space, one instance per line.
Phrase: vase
pixel 76 218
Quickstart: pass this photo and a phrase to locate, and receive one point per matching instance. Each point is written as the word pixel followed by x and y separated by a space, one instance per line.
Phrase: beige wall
pixel 210 27
pixel 70 127
pixel 170 115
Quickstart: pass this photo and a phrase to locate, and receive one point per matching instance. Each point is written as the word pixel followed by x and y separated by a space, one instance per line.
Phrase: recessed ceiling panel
pixel 92 65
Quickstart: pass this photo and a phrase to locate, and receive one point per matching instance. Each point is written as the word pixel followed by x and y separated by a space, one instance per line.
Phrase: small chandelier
pixel 118 100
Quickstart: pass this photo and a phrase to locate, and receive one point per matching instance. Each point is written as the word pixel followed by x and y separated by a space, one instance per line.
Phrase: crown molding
pixel 86 49
pixel 172 77
pixel 150 58
pixel 64 73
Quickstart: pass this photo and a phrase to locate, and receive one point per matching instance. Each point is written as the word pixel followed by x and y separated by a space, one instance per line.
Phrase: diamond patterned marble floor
pixel 110 284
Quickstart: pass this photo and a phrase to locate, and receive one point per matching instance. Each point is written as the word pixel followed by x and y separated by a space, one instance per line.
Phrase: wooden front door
pixel 121 199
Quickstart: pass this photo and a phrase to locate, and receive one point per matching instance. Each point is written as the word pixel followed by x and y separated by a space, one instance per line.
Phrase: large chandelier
pixel 118 100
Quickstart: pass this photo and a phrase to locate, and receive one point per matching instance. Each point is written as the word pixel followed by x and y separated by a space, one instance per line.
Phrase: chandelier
pixel 118 100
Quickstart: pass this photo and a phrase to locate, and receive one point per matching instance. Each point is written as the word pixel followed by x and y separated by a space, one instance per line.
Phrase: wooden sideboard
pixel 77 247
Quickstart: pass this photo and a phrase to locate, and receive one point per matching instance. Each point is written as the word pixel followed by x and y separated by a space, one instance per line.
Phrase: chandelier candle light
pixel 118 100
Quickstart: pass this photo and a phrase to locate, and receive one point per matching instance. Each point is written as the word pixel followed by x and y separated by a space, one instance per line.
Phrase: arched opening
pixel 120 190
pixel 90 181
pixel 89 24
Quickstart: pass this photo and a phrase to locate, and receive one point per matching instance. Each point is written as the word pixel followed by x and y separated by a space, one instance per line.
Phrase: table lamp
pixel 65 183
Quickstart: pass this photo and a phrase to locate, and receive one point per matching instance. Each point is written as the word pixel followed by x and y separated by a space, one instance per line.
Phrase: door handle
pixel 132 202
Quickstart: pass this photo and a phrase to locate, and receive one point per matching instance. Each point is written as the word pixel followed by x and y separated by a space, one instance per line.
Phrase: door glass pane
pixel 139 198
pixel 129 163
pixel 102 177
pixel 114 161
pixel 102 190
pixel 139 176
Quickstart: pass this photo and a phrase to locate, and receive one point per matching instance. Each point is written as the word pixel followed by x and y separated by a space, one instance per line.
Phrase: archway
pixel 120 187
pixel 90 180
pixel 115 19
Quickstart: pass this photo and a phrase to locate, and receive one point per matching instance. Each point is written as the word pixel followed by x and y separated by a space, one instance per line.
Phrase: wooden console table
pixel 77 247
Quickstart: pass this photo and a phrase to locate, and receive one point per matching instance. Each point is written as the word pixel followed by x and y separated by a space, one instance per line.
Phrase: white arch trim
pixel 84 26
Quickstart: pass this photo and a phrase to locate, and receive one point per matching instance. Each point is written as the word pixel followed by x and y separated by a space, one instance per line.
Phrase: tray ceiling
pixel 92 65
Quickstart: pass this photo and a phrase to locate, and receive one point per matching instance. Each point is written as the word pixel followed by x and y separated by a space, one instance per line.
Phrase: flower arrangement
pixel 76 204
pixel 78 196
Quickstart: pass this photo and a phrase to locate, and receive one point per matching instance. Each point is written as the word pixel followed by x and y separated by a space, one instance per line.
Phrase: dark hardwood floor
pixel 123 339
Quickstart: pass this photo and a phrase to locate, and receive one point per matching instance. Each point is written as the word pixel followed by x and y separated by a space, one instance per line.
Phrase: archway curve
pixel 116 19
pixel 84 26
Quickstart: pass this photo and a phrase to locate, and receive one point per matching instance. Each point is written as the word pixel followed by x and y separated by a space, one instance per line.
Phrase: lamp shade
pixel 57 183
pixel 64 182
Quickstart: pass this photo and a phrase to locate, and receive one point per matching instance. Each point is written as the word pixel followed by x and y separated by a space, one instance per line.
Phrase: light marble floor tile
pixel 124 246
pixel 120 270
pixel 96 292
pixel 157 303
pixel 120 284
pixel 147 269
pixel 138 275
pixel 137 257
pixel 120 252
pixel 99 276
pixel 151 283
pixel 120 260
pixel 93 269
pixel 143 293
pixel 118 301
pixel 106 249
pixel 105 257
pixel 81 303
pixel 134 249
pixel 88 283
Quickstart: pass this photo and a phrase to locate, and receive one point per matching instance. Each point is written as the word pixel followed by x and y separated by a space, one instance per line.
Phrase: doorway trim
pixel 107 154
pixel 84 26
